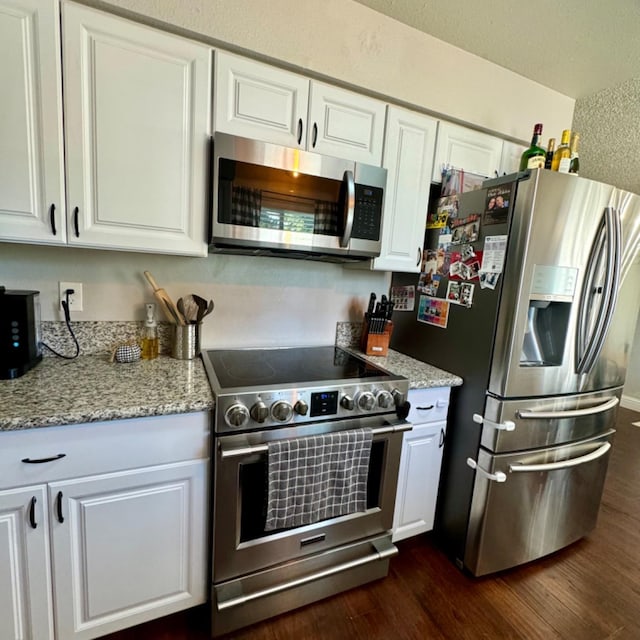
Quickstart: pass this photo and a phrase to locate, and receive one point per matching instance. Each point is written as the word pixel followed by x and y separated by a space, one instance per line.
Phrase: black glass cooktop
pixel 235 368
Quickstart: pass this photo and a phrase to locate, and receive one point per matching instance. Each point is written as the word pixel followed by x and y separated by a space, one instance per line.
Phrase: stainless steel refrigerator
pixel 543 358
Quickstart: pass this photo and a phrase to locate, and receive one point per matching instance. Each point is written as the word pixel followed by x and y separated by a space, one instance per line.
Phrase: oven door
pixel 241 544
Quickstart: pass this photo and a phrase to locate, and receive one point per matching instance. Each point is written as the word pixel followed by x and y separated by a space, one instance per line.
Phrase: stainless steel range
pixel 267 397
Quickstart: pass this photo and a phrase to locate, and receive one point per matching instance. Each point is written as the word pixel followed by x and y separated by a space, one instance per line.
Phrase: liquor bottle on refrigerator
pixel 534 156
pixel 551 147
pixel 562 156
pixel 574 164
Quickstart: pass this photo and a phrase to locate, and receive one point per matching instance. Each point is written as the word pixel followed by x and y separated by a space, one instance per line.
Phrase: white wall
pixel 258 301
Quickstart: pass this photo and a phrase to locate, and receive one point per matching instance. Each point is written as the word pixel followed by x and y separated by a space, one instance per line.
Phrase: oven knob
pixel 385 399
pixel 259 411
pixel 281 411
pixel 237 415
pixel 398 397
pixel 346 402
pixel 301 408
pixel 365 400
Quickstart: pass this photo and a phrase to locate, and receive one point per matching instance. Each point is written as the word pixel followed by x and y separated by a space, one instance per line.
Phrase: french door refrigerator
pixel 543 356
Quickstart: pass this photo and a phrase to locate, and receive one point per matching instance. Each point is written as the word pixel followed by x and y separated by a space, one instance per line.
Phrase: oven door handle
pixel 262 448
pixel 383 549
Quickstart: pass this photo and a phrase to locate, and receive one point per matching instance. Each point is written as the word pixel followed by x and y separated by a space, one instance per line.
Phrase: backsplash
pixel 101 338
pixel 98 338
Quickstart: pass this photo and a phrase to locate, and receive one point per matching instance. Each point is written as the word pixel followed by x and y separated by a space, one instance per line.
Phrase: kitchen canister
pixel 186 341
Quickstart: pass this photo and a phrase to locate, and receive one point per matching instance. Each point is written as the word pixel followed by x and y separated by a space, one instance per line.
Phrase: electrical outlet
pixel 75 299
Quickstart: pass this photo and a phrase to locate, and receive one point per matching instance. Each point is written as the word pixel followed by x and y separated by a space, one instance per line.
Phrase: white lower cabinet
pixel 25 565
pixel 419 473
pixel 83 555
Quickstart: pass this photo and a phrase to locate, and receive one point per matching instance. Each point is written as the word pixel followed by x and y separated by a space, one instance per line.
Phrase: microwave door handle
pixel 349 207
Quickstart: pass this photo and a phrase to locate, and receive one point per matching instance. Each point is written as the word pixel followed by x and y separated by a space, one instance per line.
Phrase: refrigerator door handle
pixel 564 464
pixel 608 241
pixel 572 413
pixel 507 425
pixel 498 476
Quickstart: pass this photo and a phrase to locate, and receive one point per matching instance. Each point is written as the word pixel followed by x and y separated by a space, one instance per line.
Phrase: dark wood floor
pixel 590 591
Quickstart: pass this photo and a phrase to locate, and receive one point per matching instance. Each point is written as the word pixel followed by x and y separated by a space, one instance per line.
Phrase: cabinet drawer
pixel 428 405
pixel 101 447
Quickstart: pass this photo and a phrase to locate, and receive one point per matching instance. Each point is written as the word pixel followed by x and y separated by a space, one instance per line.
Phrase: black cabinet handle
pixel 75 221
pixel 419 256
pixel 441 444
pixel 52 218
pixel 41 460
pixel 299 130
pixel 315 134
pixel 32 513
pixel 425 408
pixel 59 507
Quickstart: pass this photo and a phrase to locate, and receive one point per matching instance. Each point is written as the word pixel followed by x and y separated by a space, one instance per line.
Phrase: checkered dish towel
pixel 311 479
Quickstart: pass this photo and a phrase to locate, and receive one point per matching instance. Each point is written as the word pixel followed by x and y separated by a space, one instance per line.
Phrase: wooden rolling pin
pixel 165 302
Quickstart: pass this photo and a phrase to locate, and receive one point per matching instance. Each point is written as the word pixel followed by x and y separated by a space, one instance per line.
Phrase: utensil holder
pixel 186 341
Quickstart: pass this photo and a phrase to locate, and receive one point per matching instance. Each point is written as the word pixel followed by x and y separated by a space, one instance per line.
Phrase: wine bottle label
pixel 536 162
pixel 564 165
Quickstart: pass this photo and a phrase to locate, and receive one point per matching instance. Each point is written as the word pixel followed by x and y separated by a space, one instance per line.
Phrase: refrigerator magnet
pixel 488 279
pixel 497 205
pixel 434 311
pixel 493 254
pixel 403 298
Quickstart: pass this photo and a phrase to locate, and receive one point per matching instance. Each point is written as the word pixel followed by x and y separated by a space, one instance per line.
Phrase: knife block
pixel 376 344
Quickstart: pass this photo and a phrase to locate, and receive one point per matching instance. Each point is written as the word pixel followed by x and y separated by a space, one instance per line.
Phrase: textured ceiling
pixel 577 47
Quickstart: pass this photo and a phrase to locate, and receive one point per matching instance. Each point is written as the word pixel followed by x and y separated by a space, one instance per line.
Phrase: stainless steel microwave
pixel 272 200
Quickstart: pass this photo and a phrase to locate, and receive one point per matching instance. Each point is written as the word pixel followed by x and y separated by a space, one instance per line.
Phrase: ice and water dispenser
pixel 550 299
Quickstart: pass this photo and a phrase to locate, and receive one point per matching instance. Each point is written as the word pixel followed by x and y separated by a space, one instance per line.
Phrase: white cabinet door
pixel 418 480
pixel 136 126
pixel 510 160
pixel 25 575
pixel 420 462
pixel 32 204
pixel 258 101
pixel 345 124
pixel 463 148
pixel 128 546
pixel 410 140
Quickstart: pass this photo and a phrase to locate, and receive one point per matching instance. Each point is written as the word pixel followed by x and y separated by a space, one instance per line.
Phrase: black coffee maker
pixel 20 348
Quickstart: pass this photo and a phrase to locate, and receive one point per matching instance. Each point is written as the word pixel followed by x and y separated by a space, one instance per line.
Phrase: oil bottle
pixel 150 334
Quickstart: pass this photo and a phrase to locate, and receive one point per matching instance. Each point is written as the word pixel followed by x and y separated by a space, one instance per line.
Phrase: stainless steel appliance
pixel 20 348
pixel 543 357
pixel 267 395
pixel 273 200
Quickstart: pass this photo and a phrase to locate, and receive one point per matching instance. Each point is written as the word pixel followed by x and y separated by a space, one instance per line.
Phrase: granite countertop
pixel 420 374
pixel 92 389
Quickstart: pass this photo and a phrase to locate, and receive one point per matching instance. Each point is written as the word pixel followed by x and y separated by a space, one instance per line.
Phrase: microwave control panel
pixel 368 213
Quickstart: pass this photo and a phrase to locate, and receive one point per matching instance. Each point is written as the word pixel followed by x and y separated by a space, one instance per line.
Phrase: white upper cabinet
pixel 31 152
pixel 410 141
pixel 510 160
pixel 136 128
pixel 345 124
pixel 258 101
pixel 467 149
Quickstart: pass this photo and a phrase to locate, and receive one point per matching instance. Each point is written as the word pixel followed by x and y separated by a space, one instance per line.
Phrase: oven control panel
pixel 257 410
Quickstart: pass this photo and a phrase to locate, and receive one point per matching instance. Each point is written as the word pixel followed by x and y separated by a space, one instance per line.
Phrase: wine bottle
pixel 551 147
pixel 534 156
pixel 562 155
pixel 574 164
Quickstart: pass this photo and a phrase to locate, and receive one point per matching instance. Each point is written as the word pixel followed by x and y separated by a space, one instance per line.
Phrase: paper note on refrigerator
pixel 493 254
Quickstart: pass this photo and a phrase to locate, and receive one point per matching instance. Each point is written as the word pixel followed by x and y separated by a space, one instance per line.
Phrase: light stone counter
pixel 92 389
